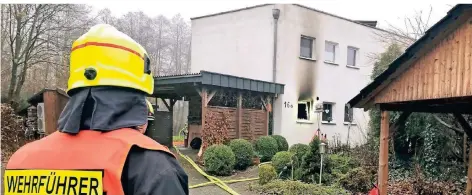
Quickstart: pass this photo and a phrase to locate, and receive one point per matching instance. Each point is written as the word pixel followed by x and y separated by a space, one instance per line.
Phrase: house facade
pixel 317 55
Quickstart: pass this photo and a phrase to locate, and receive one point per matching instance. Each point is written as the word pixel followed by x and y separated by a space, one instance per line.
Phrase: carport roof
pixel 212 79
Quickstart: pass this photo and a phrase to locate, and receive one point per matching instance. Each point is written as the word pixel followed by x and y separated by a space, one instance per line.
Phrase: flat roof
pixel 399 65
pixel 163 84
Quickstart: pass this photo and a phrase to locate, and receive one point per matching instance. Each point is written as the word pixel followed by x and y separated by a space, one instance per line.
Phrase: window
pixel 327 112
pixel 347 114
pixel 330 52
pixel 304 109
pixel 306 47
pixel 352 56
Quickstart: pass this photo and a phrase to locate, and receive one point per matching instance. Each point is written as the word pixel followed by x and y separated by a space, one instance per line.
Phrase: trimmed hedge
pixel 266 174
pixel 281 142
pixel 287 187
pixel 280 161
pixel 219 160
pixel 298 150
pixel 243 152
pixel 266 147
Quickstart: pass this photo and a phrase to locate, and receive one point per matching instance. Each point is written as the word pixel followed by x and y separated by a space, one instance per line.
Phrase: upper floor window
pixel 352 54
pixel 306 47
pixel 330 51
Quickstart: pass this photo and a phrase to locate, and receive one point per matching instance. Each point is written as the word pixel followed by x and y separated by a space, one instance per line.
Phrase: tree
pixel 33 37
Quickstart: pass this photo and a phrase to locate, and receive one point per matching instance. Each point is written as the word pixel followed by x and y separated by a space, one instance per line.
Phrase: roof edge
pixel 349 20
pixel 230 11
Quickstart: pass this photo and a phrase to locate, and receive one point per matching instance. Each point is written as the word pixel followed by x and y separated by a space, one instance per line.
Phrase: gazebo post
pixel 383 153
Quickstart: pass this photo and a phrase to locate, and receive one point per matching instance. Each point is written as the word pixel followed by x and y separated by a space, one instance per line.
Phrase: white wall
pixel 240 43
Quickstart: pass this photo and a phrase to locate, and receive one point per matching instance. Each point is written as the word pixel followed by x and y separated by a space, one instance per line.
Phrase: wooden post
pixel 467 130
pixel 468 189
pixel 239 115
pixel 204 96
pixel 383 155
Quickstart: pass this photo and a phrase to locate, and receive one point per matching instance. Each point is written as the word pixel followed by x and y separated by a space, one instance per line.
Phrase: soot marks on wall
pixel 306 81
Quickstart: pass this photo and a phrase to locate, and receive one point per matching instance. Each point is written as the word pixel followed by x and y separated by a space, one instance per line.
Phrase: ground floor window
pixel 347 114
pixel 304 110
pixel 327 115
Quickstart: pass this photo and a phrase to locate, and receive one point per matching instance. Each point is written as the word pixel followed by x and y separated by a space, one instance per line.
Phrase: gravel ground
pixel 196 178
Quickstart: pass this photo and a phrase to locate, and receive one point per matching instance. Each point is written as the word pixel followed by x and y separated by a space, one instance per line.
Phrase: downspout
pixel 275 15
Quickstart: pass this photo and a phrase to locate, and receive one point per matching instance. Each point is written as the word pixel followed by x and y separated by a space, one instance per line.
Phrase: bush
pixel 266 147
pixel 311 162
pixel 341 164
pixel 243 151
pixel 219 160
pixel 282 143
pixel 280 161
pixel 288 187
pixel 298 150
pixel 266 174
pixel 357 180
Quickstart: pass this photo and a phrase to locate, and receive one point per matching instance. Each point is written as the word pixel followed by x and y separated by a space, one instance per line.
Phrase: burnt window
pixel 303 112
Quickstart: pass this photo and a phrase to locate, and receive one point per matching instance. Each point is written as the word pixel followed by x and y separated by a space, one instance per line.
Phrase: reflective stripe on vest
pixel 88 150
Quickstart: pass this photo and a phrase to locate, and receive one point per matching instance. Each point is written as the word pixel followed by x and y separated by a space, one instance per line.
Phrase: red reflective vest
pixel 88 150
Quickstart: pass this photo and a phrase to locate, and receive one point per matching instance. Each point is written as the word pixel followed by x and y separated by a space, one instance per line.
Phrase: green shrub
pixel 243 151
pixel 297 174
pixel 357 180
pixel 266 174
pixel 280 161
pixel 298 150
pixel 311 162
pixel 266 147
pixel 287 187
pixel 219 160
pixel 282 143
pixel 341 164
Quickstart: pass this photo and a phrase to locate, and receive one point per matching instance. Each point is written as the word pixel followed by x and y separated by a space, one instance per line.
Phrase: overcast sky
pixel 392 11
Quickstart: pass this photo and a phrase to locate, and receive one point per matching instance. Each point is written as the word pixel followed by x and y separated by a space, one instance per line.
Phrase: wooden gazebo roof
pixel 433 75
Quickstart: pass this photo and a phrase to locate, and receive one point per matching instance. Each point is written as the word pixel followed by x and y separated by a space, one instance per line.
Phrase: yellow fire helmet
pixel 105 56
pixel 151 111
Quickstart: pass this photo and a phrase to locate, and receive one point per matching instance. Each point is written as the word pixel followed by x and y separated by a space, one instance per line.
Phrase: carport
pixel 434 75
pixel 199 89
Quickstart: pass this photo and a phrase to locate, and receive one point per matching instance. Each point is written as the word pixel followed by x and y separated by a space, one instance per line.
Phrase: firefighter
pixel 99 147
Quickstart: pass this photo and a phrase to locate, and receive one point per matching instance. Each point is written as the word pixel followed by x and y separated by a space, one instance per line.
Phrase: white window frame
pixel 313 40
pixel 335 50
pixel 309 112
pixel 356 56
pixel 333 119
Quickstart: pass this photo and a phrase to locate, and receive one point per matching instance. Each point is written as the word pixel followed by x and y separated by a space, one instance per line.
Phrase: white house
pixel 318 55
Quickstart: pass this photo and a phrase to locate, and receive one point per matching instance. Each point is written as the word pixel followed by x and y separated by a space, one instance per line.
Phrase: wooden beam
pixel 412 107
pixel 211 96
pixel 264 104
pixel 239 115
pixel 167 104
pixel 464 124
pixel 383 155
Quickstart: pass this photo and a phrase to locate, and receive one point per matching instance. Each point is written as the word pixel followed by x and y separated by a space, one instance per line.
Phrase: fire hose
pixel 213 180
